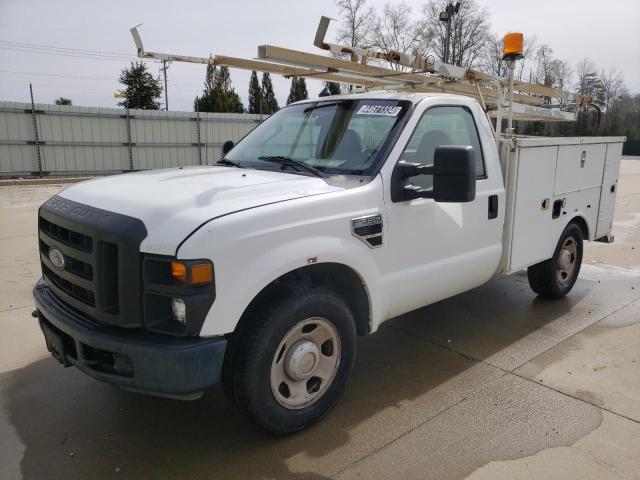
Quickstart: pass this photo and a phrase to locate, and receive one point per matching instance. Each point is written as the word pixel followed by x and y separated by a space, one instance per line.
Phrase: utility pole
pixel 447 17
pixel 35 131
pixel 166 93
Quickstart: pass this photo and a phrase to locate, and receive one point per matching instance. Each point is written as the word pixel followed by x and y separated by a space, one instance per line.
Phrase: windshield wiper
pixel 230 163
pixel 291 162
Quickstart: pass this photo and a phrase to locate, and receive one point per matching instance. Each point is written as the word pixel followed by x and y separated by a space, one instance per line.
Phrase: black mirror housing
pixel 227 146
pixel 454 174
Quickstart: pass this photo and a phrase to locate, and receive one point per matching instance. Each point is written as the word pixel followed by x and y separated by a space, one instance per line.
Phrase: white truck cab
pixel 332 216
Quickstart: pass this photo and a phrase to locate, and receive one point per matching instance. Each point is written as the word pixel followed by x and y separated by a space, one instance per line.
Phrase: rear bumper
pixel 135 360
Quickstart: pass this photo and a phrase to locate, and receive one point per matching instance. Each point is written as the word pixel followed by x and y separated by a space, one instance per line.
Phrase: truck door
pixel 436 250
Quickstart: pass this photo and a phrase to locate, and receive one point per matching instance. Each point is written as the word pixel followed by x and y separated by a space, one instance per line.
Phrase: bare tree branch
pixel 469 31
pixel 357 22
pixel 395 31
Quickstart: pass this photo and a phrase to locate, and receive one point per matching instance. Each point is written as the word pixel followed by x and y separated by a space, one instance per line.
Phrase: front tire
pixel 292 359
pixel 554 278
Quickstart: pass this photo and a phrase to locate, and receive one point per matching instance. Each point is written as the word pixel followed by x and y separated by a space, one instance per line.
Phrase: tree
pixel 613 88
pixel 629 116
pixel 298 90
pixel 587 84
pixel 562 73
pixel 207 101
pixel 543 72
pixel 270 104
pixel 229 99
pixel 141 90
pixel 587 80
pixel 613 92
pixel 469 31
pixel 395 31
pixel 357 21
pixel 218 94
pixel 255 94
pixel 63 101
pixel 529 49
pixel 491 61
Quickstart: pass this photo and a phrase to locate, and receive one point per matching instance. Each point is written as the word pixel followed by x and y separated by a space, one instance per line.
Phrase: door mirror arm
pixel 413 169
pixel 411 192
pixel 405 170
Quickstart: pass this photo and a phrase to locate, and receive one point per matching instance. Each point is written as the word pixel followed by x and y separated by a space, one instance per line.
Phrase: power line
pixel 68 54
pixel 73 51
pixel 65 54
pixel 93 93
pixel 58 75
pixel 108 59
pixel 64 48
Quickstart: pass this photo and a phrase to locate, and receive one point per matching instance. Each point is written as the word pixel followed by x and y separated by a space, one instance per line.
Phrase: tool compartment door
pixel 533 233
pixel 609 189
pixel 579 167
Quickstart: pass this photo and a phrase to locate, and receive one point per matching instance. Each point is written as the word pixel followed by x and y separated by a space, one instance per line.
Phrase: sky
pixel 607 32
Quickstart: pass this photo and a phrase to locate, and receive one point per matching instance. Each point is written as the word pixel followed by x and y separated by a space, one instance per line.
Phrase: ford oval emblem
pixel 57 258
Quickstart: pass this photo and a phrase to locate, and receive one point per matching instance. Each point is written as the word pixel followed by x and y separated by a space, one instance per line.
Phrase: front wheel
pixel 554 278
pixel 293 359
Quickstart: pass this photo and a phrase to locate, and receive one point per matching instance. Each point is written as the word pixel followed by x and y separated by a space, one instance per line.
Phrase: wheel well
pixel 340 278
pixel 584 228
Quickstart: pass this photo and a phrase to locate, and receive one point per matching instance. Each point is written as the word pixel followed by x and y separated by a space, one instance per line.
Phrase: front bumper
pixel 132 359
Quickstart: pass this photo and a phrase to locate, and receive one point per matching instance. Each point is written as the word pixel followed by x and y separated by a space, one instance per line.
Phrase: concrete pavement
pixel 494 383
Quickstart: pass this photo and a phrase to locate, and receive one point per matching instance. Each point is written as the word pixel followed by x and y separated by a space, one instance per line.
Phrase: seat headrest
pixel 430 141
pixel 349 146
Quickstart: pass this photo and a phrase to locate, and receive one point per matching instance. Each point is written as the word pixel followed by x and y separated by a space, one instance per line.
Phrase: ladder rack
pixel 500 97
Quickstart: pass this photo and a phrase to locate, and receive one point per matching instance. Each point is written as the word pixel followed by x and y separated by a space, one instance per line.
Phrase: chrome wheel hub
pixel 305 363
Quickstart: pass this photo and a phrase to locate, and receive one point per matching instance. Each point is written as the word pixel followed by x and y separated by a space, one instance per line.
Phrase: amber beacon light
pixel 513 46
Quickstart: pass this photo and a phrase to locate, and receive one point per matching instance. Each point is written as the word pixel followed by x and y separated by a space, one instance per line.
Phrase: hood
pixel 174 202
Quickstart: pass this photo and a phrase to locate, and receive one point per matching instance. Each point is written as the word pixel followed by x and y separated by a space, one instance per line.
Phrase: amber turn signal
pixel 201 274
pixel 179 271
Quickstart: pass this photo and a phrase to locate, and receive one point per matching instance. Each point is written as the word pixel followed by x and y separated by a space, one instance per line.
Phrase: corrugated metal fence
pixel 68 140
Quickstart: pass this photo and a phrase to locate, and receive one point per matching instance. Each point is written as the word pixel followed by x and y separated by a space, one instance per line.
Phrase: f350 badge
pixel 368 229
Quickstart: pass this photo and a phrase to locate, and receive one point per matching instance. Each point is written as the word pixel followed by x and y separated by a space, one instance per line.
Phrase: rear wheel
pixel 554 278
pixel 293 358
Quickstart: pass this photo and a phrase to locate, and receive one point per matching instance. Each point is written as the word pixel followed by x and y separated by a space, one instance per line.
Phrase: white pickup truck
pixel 332 216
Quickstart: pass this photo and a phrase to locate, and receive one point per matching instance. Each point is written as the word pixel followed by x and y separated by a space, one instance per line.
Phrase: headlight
pixel 179 310
pixel 178 294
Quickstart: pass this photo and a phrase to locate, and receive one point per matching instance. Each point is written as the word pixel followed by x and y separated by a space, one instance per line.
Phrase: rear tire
pixel 289 364
pixel 554 278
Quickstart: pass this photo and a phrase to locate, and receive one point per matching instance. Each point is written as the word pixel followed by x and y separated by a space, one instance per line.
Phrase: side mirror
pixel 227 146
pixel 454 175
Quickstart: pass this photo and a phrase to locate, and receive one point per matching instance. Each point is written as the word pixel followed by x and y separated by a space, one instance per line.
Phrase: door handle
pixel 493 206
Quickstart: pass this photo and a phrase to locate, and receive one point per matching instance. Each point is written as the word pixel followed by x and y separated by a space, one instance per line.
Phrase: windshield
pixel 342 137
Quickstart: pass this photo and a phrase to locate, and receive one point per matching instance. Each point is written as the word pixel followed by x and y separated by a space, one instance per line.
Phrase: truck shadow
pixel 415 367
